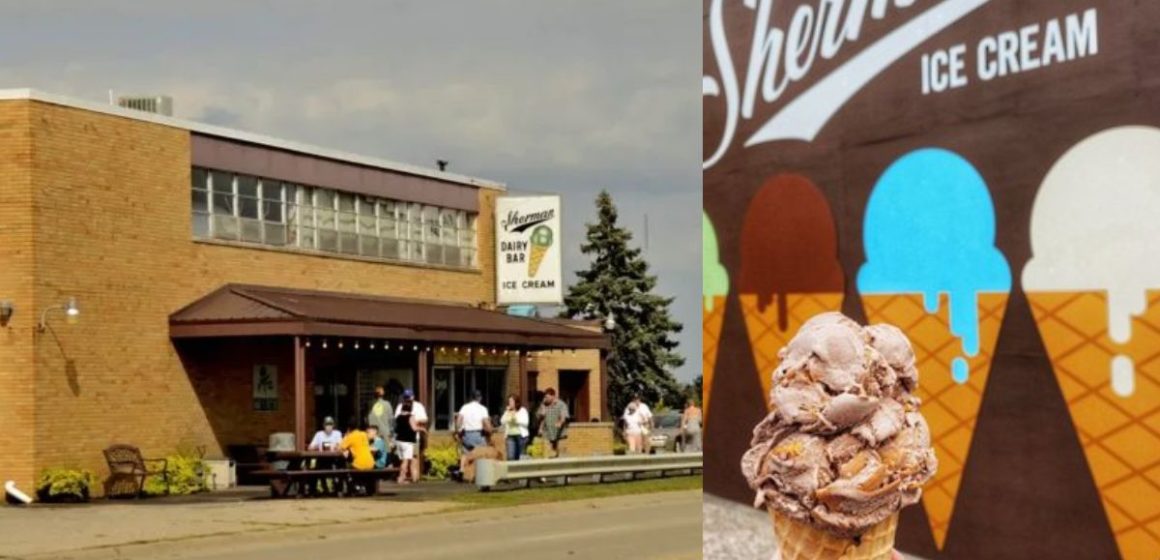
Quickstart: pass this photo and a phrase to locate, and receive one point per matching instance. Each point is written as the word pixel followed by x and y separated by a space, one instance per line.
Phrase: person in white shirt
pixel 646 420
pixel 632 428
pixel 326 439
pixel 515 424
pixel 473 424
pixel 418 421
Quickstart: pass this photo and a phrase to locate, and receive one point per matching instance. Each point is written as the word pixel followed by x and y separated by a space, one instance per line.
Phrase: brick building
pixel 231 285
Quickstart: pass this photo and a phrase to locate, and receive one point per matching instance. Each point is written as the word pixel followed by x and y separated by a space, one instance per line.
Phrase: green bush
pixel 442 458
pixel 186 476
pixel 619 448
pixel 539 449
pixel 64 485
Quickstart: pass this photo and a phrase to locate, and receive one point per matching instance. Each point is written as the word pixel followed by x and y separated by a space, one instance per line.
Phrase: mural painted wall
pixel 985 175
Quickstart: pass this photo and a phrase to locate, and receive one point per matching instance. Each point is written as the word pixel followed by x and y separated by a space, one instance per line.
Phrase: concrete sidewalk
pixel 45 529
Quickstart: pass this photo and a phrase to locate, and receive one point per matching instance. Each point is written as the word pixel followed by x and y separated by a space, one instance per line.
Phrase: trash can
pixel 281 441
pixel 220 474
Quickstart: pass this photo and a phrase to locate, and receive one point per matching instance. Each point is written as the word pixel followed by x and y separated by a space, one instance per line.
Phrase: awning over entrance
pixel 244 310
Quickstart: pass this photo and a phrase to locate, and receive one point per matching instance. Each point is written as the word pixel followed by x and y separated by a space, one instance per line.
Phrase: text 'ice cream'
pixel 844 447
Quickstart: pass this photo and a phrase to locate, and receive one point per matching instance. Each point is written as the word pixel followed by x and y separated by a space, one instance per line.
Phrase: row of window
pixel 237 207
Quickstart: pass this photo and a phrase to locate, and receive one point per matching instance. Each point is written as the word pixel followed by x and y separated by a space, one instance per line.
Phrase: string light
pixel 324 344
pixel 356 345
pixel 416 348
pixel 372 345
pixel 308 343
pixel 340 343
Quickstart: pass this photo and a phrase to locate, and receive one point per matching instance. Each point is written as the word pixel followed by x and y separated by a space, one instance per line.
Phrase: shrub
pixel 186 476
pixel 619 448
pixel 539 449
pixel 441 459
pixel 64 485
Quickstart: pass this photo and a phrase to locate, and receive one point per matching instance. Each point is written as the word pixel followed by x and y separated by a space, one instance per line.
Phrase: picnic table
pixel 312 473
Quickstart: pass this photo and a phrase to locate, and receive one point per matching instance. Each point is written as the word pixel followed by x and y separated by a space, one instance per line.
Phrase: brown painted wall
pixel 110 203
pixel 1027 489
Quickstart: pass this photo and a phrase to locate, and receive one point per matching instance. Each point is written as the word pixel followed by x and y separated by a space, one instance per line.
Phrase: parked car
pixel 666 433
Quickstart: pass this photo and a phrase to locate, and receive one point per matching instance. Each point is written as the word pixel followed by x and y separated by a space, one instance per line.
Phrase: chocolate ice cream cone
pixel 766 336
pixel 712 319
pixel 1120 435
pixel 949 407
pixel 798 541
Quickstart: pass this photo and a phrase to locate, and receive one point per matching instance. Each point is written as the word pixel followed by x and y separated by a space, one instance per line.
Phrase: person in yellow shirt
pixel 357 447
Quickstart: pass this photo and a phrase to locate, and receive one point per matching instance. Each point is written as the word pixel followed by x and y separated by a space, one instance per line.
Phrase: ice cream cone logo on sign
pixel 932 269
pixel 1094 286
pixel 789 267
pixel 714 288
pixel 541 240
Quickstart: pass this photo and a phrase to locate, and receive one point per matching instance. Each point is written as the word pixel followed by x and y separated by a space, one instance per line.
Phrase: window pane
pixel 222 182
pixel 306 238
pixel 324 218
pixel 366 224
pixel 346 222
pixel 348 243
pixel 272 211
pixel 200 224
pixel 467 257
pixel 390 249
pixel 451 256
pixel 248 207
pixel 368 246
pixel 197 179
pixel 225 227
pixel 223 204
pixel 275 234
pixel 447 217
pixel 387 221
pixel 431 223
pixel 434 253
pixel 271 190
pixel 251 230
pixel 200 201
pixel 247 185
pixel 345 202
pixel 327 240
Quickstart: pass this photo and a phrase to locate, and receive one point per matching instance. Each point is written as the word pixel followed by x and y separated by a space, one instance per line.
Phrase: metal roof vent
pixel 160 104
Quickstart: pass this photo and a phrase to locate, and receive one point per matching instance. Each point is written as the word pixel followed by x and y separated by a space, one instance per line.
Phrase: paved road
pixel 662 526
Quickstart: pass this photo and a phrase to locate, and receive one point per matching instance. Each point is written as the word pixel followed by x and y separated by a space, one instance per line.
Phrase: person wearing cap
pixel 326 439
pixel 473 424
pixel 418 420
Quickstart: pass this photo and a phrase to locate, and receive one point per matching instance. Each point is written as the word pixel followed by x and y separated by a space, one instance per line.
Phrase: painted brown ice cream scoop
pixel 844 447
pixel 789 268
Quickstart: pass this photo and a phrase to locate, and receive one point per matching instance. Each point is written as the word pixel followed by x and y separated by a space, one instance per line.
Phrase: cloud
pixel 567 97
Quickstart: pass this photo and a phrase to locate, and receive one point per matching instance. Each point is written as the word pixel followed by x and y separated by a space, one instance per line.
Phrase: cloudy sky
pixel 560 96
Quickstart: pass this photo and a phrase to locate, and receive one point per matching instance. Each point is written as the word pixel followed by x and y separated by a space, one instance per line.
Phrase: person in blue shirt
pixel 378 447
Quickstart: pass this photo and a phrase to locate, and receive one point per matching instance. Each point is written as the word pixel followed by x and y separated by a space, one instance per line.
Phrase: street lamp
pixel 71 312
pixel 610 322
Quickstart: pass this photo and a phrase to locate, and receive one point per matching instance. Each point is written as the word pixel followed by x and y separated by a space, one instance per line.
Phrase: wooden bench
pixel 128 470
pixel 342 481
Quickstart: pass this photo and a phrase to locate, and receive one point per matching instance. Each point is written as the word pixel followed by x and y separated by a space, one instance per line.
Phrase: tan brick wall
pixel 586 439
pixel 112 228
pixel 17 267
pixel 550 363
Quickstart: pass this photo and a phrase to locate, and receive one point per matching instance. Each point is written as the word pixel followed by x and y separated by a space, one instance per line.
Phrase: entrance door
pixel 574 392
pixel 336 396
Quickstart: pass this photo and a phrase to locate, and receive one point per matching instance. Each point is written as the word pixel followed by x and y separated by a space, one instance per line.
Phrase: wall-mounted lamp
pixel 6 311
pixel 72 313
pixel 610 322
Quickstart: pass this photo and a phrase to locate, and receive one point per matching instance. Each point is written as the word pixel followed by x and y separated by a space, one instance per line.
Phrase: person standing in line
pixel 646 421
pixel 691 427
pixel 472 423
pixel 515 426
pixel 417 419
pixel 382 415
pixel 406 438
pixel 552 417
pixel 632 428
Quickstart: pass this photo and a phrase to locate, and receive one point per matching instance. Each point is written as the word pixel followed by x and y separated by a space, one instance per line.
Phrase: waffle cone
pixel 537 257
pixel 1120 435
pixel 766 338
pixel 949 408
pixel 798 541
pixel 711 322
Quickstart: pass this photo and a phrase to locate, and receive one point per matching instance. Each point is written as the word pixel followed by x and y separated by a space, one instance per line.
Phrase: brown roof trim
pixel 292 312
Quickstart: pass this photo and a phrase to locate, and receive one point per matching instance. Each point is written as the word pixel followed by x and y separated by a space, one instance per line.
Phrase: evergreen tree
pixel 617 283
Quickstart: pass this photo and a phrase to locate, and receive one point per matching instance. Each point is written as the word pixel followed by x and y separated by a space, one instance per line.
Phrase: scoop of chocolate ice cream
pixel 844 446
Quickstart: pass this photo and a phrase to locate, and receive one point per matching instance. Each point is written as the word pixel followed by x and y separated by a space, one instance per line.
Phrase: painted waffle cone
pixel 798 541
pixel 1120 435
pixel 712 320
pixel 950 408
pixel 766 338
pixel 537 257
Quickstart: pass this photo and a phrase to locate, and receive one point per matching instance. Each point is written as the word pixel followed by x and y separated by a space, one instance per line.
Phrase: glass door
pixel 443 390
